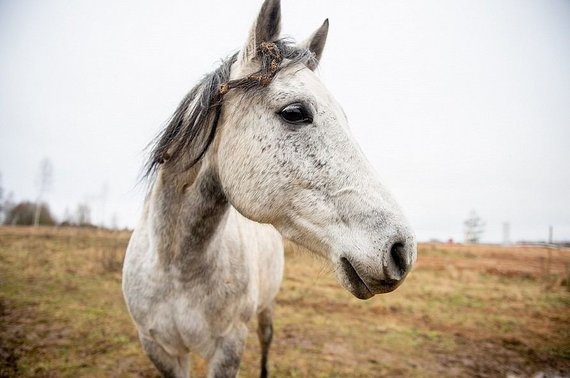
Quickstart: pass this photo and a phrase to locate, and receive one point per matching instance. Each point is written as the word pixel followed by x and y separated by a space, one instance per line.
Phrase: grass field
pixel 463 311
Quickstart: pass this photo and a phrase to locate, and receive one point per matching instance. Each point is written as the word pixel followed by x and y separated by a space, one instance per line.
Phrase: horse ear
pixel 316 44
pixel 265 29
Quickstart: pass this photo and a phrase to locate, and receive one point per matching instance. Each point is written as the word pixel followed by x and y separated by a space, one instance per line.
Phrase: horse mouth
pixel 356 285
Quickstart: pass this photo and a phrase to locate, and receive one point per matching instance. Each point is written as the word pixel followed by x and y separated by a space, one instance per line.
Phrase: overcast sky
pixel 460 105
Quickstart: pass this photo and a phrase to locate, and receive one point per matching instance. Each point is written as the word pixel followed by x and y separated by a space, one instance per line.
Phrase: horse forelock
pixel 192 127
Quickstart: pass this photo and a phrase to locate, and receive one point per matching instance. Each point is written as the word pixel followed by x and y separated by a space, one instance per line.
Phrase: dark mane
pixel 192 127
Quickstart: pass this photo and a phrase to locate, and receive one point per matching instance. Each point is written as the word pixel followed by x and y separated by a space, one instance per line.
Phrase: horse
pixel 257 152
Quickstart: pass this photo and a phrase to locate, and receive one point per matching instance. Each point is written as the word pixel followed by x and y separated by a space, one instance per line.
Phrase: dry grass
pixel 464 311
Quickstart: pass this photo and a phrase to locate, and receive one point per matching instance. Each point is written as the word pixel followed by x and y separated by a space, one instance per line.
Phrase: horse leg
pixel 227 356
pixel 265 334
pixel 169 366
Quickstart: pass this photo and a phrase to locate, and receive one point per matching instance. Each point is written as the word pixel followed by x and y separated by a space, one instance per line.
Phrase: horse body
pixel 276 160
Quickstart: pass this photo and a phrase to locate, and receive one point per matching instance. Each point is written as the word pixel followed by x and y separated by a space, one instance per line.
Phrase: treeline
pixel 28 213
pixel 24 214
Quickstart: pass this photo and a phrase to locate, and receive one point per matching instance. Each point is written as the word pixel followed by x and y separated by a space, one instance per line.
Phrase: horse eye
pixel 296 114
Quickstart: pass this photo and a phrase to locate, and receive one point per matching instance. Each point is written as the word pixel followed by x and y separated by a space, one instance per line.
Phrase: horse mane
pixel 192 127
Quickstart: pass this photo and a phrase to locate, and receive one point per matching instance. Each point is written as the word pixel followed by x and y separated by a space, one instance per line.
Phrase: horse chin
pixel 353 282
pixel 360 291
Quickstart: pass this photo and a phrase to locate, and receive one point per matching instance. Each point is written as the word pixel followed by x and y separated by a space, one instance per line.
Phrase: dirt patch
pixel 500 357
pixel 11 335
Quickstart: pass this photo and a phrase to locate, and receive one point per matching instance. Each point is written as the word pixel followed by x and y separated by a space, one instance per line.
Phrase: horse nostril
pixel 397 255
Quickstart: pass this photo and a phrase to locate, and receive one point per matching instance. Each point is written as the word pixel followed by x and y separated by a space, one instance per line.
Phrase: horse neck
pixel 186 211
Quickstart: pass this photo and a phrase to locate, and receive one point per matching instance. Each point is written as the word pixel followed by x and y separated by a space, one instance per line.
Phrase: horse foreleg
pixel 265 334
pixel 169 366
pixel 227 357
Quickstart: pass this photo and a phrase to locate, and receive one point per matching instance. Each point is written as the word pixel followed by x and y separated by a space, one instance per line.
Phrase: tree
pixel 83 215
pixel 67 218
pixel 2 207
pixel 6 203
pixel 114 222
pixel 24 214
pixel 45 179
pixel 474 227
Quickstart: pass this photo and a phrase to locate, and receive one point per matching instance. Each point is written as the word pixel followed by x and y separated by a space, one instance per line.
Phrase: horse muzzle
pixel 364 279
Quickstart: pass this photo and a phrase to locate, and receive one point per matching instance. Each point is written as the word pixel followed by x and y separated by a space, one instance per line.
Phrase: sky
pixel 459 105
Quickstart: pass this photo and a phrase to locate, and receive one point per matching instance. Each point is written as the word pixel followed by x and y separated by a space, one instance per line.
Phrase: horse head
pixel 282 151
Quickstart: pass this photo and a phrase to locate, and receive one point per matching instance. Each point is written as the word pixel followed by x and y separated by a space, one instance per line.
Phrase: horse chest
pixel 194 321
pixel 184 312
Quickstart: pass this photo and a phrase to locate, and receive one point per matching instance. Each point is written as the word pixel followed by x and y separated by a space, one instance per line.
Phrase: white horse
pixel 257 151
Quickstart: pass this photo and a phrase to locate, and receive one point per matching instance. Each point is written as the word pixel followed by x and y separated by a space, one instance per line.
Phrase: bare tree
pixel 67 218
pixel 103 201
pixel 44 182
pixel 83 215
pixel 474 227
pixel 2 207
pixel 115 222
pixel 7 202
